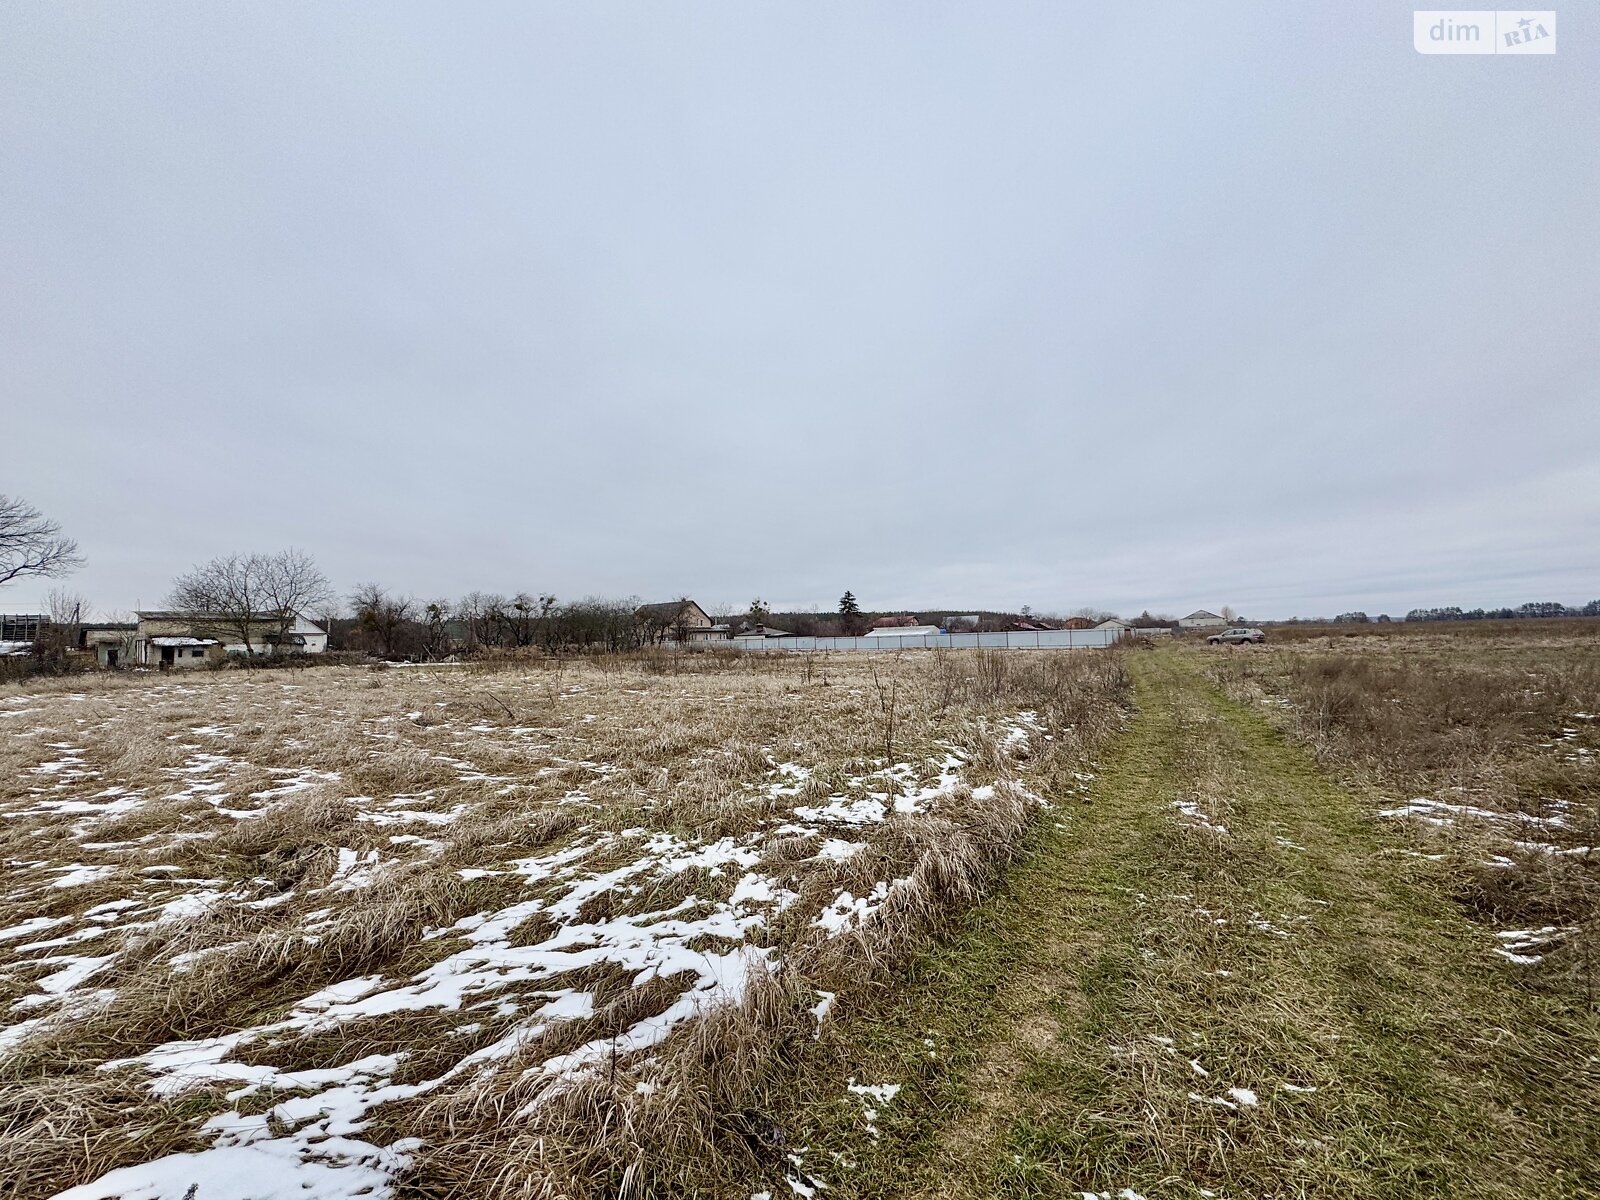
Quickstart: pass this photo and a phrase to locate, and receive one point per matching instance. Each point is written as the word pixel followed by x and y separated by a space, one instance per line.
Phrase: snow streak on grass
pixel 273 935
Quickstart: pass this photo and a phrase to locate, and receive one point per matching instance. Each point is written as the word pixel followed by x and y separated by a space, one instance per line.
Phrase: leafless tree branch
pixel 32 544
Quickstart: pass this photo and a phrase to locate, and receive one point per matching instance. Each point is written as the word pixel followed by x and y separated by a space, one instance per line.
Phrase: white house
pixel 305 636
pixel 1113 623
pixel 1201 619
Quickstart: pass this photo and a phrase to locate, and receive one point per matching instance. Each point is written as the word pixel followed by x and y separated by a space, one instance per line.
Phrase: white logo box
pixel 1483 31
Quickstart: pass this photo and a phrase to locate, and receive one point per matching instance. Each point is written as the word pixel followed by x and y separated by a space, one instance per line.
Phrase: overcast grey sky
pixel 972 305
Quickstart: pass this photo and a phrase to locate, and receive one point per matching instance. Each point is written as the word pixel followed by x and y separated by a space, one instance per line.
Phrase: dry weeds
pixel 1487 742
pixel 540 928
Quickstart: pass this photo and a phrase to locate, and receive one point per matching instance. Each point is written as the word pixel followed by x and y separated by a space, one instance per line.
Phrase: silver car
pixel 1236 637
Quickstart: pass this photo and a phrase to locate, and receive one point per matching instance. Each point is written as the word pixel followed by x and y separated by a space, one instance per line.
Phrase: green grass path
pixel 1217 974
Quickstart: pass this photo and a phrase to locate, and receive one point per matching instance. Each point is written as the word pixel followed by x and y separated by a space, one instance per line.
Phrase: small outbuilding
pixel 111 642
pixel 182 653
pixel 760 633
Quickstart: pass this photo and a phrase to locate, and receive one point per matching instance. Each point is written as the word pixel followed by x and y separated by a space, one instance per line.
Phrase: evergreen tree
pixel 848 606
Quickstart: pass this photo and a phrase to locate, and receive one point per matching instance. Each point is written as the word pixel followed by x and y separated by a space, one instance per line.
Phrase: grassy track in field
pixel 1292 1007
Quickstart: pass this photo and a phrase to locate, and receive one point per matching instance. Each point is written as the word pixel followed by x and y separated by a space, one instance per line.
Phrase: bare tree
pixel 595 621
pixel 66 607
pixel 515 620
pixel 473 610
pixel 436 615
pixel 292 586
pixel 680 621
pixel 549 623
pixel 1228 615
pixel 1090 613
pixel 31 544
pixel 67 611
pixel 254 598
pixel 224 592
pixel 382 616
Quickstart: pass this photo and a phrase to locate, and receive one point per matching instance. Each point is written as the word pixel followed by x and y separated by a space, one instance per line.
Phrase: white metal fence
pixel 1043 639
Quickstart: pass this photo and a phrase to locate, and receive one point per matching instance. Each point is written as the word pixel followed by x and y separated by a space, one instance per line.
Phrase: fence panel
pixel 1044 639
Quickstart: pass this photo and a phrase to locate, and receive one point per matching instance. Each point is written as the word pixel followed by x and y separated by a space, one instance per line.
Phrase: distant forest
pixel 1452 613
pixel 1538 609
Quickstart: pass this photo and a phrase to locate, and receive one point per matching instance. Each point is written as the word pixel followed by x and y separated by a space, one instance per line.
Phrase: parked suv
pixel 1236 637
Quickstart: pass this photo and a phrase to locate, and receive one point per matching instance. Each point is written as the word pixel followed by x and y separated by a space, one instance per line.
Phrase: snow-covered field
pixel 288 934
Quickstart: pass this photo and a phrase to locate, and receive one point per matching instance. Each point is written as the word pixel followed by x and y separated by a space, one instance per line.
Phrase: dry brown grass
pixel 1088 1029
pixel 234 843
pixel 1502 725
pixel 1522 631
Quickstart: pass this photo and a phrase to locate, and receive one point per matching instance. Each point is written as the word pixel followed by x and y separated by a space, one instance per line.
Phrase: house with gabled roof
pixel 680 620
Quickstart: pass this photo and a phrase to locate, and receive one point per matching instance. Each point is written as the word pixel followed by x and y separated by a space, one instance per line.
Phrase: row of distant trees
pixel 1536 609
pixel 393 625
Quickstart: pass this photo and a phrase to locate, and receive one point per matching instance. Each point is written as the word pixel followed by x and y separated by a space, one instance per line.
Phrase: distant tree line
pixel 1534 609
pixel 393 625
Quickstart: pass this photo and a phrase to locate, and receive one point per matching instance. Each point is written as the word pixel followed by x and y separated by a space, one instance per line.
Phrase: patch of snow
pixel 1518 945
pixel 821 1009
pixel 871 1095
pixel 843 811
pixel 1191 811
pixel 77 875
pixel 31 926
pixel 70 976
pixel 848 911
pixel 354 870
pixel 838 849
pixel 272 1169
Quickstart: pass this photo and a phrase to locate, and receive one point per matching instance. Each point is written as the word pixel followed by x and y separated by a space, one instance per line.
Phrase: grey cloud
pixel 950 305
